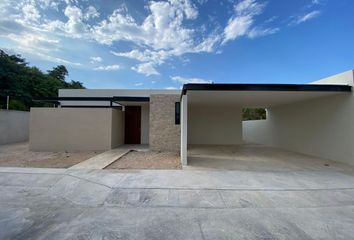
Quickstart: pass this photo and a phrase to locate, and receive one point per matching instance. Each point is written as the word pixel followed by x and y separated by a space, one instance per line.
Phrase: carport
pixel 309 119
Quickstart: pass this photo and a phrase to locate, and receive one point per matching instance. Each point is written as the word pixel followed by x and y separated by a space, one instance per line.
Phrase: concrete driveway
pixel 176 204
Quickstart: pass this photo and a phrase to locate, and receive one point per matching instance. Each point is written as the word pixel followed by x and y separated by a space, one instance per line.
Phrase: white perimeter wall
pixel 322 127
pixel 75 129
pixel 220 125
pixel 13 126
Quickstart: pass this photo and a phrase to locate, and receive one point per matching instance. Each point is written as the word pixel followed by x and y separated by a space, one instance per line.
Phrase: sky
pixel 138 44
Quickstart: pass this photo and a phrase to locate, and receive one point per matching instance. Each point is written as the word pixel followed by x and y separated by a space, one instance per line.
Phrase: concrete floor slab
pixel 253 157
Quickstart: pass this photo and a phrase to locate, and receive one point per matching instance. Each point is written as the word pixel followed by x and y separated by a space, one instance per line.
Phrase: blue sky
pixel 163 44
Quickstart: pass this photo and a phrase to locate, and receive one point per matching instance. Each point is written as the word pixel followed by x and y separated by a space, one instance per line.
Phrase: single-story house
pixel 315 118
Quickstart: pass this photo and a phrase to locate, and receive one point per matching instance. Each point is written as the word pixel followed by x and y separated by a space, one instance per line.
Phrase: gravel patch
pixel 19 155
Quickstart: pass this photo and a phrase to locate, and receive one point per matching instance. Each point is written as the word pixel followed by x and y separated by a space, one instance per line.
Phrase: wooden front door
pixel 132 124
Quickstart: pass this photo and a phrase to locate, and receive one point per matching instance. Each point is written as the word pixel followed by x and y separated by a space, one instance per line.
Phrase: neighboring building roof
pixel 114 92
pixel 115 99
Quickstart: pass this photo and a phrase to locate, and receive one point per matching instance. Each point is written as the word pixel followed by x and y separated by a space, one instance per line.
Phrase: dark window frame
pixel 177 113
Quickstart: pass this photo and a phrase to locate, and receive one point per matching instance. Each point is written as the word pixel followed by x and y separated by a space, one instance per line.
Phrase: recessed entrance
pixel 132 125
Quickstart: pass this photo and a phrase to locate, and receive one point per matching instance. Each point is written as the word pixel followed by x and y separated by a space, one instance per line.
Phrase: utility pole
pixel 7 102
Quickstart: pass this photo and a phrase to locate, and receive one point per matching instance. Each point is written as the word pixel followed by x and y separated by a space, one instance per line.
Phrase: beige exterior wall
pixel 75 129
pixel 220 125
pixel 164 133
pixel 13 126
pixel 117 128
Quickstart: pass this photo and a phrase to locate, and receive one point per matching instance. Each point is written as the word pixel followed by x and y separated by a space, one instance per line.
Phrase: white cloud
pixel 160 36
pixel 208 44
pixel 75 25
pixel 240 24
pixel 168 30
pixel 146 68
pixel 108 68
pixel 237 27
pixel 306 17
pixel 57 60
pixel 249 8
pixel 36 44
pixel 54 4
pixel 91 12
pixel 156 57
pixel 259 32
pixel 161 29
pixel 185 80
pixel 171 88
pixel 30 13
pixel 138 84
pixel 95 60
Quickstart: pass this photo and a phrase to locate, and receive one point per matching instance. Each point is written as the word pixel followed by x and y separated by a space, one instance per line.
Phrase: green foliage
pixel 253 114
pixel 22 82
pixel 76 85
pixel 17 105
pixel 60 72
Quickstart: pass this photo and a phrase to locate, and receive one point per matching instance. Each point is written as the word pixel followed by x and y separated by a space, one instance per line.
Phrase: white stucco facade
pixel 184 130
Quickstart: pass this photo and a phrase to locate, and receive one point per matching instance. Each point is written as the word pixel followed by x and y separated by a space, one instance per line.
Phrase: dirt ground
pixel 18 155
pixel 147 160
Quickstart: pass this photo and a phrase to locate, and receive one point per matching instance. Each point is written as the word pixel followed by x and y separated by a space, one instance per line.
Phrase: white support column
pixel 184 108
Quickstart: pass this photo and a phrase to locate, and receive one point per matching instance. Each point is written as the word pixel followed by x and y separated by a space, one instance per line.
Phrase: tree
pixel 22 82
pixel 59 72
pixel 76 85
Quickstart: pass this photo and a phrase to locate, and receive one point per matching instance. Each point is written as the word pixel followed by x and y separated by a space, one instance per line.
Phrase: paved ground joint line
pixel 235 189
pixel 90 181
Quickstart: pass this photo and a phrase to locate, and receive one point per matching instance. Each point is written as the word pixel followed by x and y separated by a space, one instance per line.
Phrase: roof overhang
pixel 116 101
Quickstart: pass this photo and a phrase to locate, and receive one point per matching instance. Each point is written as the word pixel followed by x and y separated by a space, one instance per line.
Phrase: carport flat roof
pixel 258 95
pixel 265 87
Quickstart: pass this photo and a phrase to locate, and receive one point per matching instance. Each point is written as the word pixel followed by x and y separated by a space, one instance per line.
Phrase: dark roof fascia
pixel 89 106
pixel 104 99
pixel 131 99
pixel 265 87
pixel 51 99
